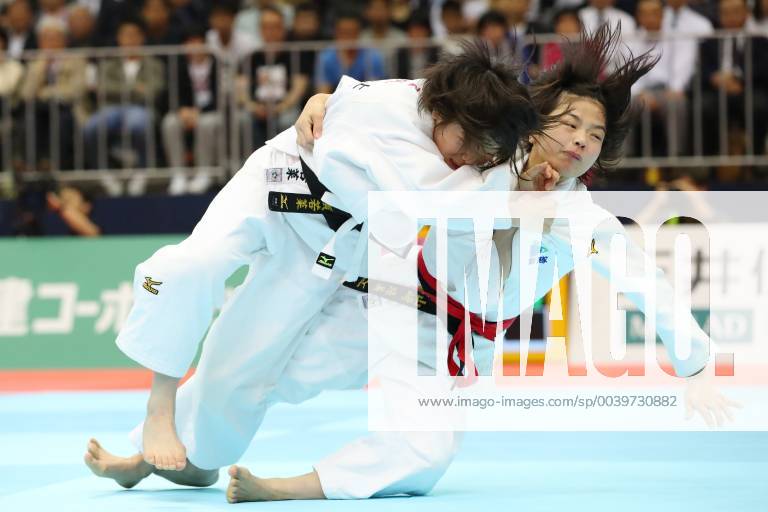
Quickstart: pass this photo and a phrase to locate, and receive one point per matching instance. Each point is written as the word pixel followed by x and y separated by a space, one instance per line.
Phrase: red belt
pixel 456 310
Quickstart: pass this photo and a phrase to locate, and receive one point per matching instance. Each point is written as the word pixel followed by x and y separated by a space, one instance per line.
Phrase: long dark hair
pixel 585 71
pixel 481 92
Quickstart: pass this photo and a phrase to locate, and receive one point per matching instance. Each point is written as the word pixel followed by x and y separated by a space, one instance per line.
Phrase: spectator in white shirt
pixel 679 18
pixel 598 12
pixel 662 90
pixel 21 35
pixel 381 33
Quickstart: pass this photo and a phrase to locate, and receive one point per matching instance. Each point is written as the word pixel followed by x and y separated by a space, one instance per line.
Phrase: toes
pixel 159 462
pixel 180 460
pixel 233 471
pixel 89 460
pixel 150 458
pixel 168 464
pixel 93 449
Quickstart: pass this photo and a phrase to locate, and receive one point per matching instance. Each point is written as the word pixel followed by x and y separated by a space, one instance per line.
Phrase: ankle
pixel 143 467
pixel 278 489
pixel 160 408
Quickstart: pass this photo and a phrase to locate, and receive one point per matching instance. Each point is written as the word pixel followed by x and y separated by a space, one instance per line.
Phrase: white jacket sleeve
pixel 667 307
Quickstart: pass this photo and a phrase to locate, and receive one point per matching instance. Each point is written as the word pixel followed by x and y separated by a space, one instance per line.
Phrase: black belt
pixel 289 202
pixel 401 294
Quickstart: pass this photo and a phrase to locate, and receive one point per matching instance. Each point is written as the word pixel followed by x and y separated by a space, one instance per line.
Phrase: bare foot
pixel 243 486
pixel 162 447
pixel 126 471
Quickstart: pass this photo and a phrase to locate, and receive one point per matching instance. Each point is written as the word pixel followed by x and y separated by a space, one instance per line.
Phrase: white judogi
pixel 559 247
pixel 246 359
pixel 333 354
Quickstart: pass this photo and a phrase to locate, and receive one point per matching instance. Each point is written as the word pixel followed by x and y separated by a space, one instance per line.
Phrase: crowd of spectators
pixel 147 109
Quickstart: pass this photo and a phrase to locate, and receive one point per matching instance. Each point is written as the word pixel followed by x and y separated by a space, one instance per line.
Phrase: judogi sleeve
pixel 667 307
pixel 560 251
pixel 374 138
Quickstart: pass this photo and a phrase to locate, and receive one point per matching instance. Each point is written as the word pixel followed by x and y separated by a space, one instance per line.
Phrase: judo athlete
pixel 589 136
pixel 298 220
pixel 595 116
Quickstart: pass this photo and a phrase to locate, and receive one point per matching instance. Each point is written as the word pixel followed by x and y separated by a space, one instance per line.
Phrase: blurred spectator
pixel 469 12
pixel 111 14
pixel 598 12
pixel 567 24
pixel 82 26
pixel 412 61
pixel 52 9
pixel 30 206
pixel 52 88
pixel 403 11
pixel 492 28
pixel 679 17
pixel 761 17
pixel 662 90
pixel 130 86
pixel 276 82
pixel 517 14
pixel 197 90
pixel 306 23
pixel 381 33
pixel 21 36
pixel 222 35
pixel 306 28
pixel 681 54
pixel 455 27
pixel 724 66
pixel 359 63
pixel 452 20
pixel 74 206
pixel 188 14
pixel 247 19
pixel 11 72
pixel 156 15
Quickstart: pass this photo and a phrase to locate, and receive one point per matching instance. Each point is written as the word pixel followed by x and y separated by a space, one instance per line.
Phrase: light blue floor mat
pixel 43 438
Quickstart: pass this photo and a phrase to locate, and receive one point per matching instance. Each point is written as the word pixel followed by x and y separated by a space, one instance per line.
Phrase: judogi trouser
pixel 279 338
pixel 250 343
pixel 217 415
pixel 333 354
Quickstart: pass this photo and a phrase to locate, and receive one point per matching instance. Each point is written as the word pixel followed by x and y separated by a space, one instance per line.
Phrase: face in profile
pixel 451 142
pixel 573 145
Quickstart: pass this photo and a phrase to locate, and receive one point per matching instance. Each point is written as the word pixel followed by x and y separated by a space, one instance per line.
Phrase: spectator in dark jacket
pixel 196 88
pixel 726 65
